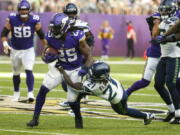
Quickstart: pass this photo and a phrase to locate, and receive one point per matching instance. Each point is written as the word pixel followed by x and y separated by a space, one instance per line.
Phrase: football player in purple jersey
pixel 72 49
pixel 72 11
pixel 22 26
pixel 153 54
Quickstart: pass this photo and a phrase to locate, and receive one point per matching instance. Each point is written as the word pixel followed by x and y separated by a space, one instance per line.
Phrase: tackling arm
pixel 173 29
pixel 77 86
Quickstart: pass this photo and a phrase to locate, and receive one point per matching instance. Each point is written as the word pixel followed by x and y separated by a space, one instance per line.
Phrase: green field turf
pixel 13 118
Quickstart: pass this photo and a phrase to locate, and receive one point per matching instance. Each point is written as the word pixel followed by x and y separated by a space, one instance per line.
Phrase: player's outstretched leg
pixel 75 106
pixel 30 84
pixel 137 85
pixel 40 99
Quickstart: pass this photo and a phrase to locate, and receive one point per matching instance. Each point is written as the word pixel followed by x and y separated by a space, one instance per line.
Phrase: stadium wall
pixel 118 23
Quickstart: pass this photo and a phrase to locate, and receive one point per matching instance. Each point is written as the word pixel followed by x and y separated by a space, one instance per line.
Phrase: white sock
pixel 177 113
pixel 171 108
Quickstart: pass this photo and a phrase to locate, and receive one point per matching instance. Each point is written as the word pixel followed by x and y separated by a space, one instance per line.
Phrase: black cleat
pixel 149 118
pixel 33 123
pixel 169 116
pixel 30 100
pixel 78 123
pixel 176 120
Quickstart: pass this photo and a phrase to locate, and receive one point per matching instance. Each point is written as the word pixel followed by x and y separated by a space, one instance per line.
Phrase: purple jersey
pixel 178 13
pixel 70 57
pixel 22 32
pixel 153 50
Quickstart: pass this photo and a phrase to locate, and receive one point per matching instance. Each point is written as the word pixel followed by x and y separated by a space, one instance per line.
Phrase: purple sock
pixel 16 82
pixel 138 85
pixel 40 99
pixel 29 80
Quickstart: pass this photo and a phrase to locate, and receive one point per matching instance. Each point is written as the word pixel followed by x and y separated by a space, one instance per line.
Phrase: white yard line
pixel 41 75
pixel 32 132
pixel 109 62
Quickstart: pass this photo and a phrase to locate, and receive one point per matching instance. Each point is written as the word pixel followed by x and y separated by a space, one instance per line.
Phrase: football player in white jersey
pixel 100 84
pixel 169 64
pixel 76 24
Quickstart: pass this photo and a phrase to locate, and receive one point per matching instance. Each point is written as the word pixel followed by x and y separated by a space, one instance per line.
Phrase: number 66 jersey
pixel 22 32
pixel 111 91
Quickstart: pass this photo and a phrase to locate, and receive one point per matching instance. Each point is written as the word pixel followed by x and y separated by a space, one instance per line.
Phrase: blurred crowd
pixel 130 7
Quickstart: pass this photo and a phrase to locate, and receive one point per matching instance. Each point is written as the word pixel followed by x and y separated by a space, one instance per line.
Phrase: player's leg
pixel 75 106
pixel 16 68
pixel 28 59
pixel 150 68
pixel 172 71
pixel 51 80
pixel 72 97
pixel 123 109
pixel 160 88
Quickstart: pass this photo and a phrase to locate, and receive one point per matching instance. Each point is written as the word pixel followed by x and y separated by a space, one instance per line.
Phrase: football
pixel 49 55
pixel 51 50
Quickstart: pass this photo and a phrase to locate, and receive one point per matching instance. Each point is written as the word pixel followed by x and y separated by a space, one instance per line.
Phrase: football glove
pixel 83 71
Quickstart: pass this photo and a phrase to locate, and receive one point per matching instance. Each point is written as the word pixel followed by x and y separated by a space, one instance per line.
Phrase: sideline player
pixel 169 64
pixel 100 84
pixel 72 49
pixel 22 26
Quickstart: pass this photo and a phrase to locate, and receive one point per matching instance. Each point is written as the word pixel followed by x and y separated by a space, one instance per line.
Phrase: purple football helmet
pixel 24 8
pixel 59 25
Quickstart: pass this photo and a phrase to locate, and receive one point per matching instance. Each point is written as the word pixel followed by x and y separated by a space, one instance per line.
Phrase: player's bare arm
pixel 155 29
pixel 4 34
pixel 41 35
pixel 173 29
pixel 77 86
pixel 86 51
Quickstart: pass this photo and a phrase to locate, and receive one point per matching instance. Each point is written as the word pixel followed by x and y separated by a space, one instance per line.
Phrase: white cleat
pixel 30 97
pixel 16 96
pixel 64 104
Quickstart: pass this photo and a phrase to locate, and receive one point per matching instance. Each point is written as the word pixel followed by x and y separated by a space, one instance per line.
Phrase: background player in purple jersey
pixel 72 49
pixel 153 54
pixel 22 26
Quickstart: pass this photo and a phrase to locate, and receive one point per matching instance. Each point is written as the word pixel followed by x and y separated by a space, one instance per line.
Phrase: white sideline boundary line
pixel 32 132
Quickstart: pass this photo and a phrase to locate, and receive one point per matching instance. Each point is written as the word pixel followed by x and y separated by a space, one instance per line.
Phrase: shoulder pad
pixel 35 17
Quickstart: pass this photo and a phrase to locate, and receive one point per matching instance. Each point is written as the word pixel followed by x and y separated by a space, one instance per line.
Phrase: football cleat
pixel 176 120
pixel 169 116
pixel 78 123
pixel 149 118
pixel 16 96
pixel 64 104
pixel 30 97
pixel 33 123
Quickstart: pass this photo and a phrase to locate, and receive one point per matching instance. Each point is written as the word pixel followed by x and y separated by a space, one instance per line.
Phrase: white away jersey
pixel 170 49
pixel 111 91
pixel 83 25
